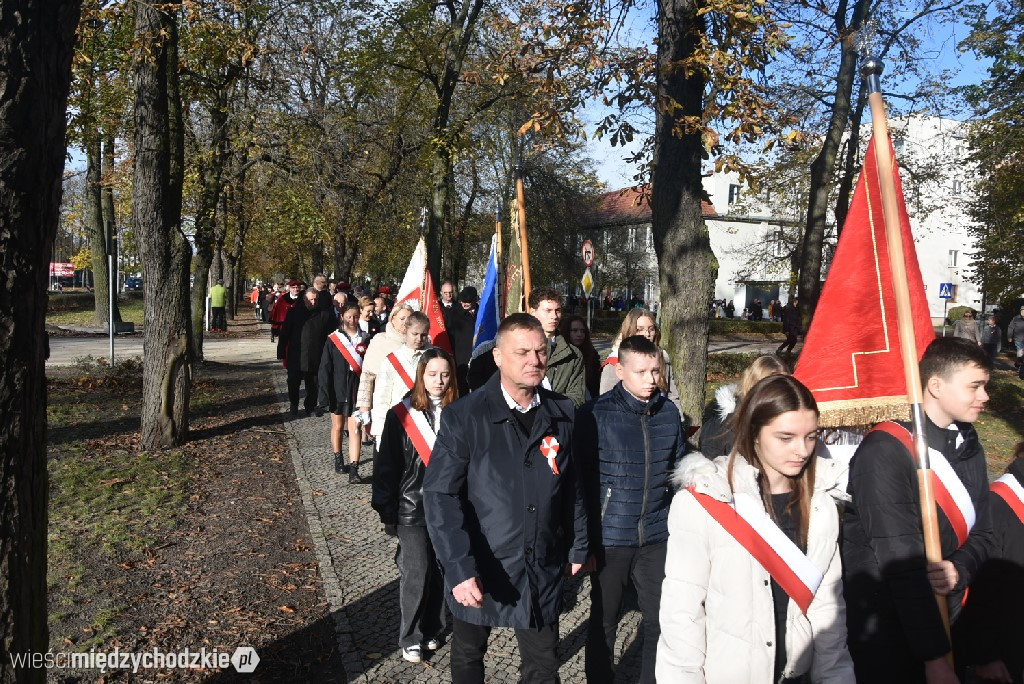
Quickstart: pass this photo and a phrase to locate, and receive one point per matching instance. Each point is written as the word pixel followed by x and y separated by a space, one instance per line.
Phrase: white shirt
pixel 514 405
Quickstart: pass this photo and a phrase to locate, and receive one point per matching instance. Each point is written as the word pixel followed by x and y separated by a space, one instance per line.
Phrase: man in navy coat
pixel 505 508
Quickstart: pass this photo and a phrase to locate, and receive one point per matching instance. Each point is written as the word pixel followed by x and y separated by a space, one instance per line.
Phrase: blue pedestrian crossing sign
pixel 945 290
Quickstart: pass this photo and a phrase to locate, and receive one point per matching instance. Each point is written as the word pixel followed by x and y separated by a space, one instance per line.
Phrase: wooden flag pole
pixel 501 269
pixel 871 70
pixel 521 210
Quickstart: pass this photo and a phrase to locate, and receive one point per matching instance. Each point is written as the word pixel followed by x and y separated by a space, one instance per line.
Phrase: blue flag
pixel 487 317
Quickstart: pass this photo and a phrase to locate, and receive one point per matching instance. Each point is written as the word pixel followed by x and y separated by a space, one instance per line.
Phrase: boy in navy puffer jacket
pixel 629 440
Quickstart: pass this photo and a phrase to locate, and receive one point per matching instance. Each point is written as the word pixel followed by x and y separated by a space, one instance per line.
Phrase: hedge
pixel 726 326
pixel 78 301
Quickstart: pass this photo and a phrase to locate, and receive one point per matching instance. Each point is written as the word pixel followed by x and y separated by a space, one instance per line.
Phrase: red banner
pixel 432 307
pixel 851 358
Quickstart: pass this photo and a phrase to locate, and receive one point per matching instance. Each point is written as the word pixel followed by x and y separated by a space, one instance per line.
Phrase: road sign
pixel 587 281
pixel 945 290
pixel 588 254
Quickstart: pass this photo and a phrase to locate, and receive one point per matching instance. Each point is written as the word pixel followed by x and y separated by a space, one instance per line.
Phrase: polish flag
pixel 411 291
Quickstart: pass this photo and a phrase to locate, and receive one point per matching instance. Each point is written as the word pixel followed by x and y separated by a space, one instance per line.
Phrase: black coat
pixel 303 336
pixel 717 432
pixel 460 324
pixel 398 474
pixel 791 322
pixel 990 626
pixel 628 450
pixel 496 511
pixel 336 381
pixel 892 618
pixel 482 368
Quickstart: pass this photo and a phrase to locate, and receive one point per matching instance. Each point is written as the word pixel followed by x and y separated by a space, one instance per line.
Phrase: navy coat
pixel 497 512
pixel 628 450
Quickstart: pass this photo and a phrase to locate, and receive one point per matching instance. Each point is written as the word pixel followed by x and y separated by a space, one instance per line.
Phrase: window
pixel 734 194
pixel 958 186
pixel 952 258
pixel 779 244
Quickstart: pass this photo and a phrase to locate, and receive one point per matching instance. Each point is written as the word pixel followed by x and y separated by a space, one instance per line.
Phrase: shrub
pixel 93 372
pixel 957 313
pixel 727 326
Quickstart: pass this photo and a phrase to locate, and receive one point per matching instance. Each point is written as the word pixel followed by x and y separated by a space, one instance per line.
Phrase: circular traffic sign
pixel 588 253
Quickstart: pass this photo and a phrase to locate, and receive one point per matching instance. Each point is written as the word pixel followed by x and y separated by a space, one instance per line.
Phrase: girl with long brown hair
pixel 753 578
pixel 410 427
pixel 574 328
pixel 640 322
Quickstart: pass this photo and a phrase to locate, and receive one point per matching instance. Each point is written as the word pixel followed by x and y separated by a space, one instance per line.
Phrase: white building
pixel 753 239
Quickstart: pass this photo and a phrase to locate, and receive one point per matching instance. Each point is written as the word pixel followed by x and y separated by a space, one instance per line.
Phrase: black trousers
pixel 646 567
pixel 538 653
pixel 788 344
pixel 421 589
pixel 220 321
pixel 296 378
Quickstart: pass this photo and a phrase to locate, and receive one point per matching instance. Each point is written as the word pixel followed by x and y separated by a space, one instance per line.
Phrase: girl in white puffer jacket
pixel 753 579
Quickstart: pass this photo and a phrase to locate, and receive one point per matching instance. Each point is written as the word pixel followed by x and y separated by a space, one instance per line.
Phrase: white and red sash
pixel 750 525
pixel 400 369
pixel 1009 490
pixel 950 494
pixel 417 427
pixel 348 350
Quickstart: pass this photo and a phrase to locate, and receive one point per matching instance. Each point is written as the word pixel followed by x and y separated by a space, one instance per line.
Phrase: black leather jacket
pixel 398 474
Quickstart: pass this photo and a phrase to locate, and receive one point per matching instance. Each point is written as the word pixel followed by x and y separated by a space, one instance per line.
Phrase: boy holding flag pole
pixel 918 526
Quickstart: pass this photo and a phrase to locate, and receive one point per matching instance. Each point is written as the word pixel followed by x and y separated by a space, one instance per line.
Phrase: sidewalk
pixel 361 580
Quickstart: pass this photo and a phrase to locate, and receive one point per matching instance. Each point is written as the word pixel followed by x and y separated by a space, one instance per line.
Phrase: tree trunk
pixel 851 163
pixel 823 166
pixel 156 210
pixel 463 25
pixel 316 263
pixel 36 42
pixel 206 218
pixel 109 216
pixel 687 264
pixel 96 230
pixel 236 205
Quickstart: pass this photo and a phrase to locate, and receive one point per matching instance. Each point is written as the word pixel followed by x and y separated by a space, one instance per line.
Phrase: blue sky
pixel 940 41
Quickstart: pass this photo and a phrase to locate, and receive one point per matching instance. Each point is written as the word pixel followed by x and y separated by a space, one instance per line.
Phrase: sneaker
pixel 433 644
pixel 412 654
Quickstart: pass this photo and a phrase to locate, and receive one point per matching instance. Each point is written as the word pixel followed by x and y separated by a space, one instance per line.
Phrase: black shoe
pixel 368 441
pixel 339 463
pixel 294 410
pixel 353 474
pixel 319 412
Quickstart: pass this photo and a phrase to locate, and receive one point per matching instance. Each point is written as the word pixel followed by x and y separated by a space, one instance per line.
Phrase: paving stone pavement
pixel 357 562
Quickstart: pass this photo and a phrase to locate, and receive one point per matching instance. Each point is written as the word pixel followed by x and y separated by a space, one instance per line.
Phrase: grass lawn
pixel 131 311
pixel 107 499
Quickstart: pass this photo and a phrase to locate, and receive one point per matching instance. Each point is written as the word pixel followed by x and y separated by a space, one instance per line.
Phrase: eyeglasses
pixel 968 316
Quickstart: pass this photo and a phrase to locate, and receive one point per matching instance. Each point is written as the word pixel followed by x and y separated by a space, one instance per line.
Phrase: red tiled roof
pixel 625 207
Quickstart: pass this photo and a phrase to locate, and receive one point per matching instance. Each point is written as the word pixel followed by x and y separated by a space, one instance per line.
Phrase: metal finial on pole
pixel 871 71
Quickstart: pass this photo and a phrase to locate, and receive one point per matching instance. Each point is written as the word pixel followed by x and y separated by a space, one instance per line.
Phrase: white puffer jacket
pixel 717 614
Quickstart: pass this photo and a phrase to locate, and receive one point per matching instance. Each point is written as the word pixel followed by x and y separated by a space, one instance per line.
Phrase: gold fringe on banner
pixel 863 412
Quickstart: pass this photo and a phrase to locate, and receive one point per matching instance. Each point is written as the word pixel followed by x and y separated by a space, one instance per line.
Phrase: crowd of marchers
pixel 758 557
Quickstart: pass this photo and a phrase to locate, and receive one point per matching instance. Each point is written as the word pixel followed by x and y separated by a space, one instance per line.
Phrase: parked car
pixel 132 284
